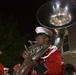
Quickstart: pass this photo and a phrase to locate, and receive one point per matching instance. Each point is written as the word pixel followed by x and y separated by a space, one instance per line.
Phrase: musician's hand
pixel 25 54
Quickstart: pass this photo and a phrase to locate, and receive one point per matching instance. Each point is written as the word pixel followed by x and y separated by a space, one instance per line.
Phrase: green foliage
pixel 11 41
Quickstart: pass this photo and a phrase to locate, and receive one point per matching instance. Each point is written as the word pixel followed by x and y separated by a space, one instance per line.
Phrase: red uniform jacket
pixel 1 69
pixel 50 64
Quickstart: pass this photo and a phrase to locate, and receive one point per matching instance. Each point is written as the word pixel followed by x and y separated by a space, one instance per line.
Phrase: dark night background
pixel 25 12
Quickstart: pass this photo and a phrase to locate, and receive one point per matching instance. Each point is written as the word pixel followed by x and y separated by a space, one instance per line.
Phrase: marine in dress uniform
pixel 50 62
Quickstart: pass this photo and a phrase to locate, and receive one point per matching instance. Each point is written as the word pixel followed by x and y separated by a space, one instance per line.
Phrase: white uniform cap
pixel 6 68
pixel 43 30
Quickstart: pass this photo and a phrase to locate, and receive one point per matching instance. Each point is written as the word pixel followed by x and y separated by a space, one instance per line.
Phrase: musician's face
pixel 5 72
pixel 42 39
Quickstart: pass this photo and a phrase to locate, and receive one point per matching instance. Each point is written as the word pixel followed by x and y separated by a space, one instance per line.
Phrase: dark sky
pixel 25 11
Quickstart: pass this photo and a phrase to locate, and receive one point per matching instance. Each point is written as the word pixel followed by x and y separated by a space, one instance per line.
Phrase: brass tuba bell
pixel 57 14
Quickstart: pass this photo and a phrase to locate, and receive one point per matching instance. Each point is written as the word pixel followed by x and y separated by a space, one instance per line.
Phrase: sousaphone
pixel 57 15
